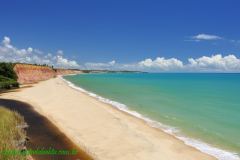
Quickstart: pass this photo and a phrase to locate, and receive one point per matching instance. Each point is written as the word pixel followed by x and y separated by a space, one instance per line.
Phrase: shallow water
pixel 202 107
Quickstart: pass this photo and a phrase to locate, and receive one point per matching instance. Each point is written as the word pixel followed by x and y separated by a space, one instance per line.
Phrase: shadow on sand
pixel 43 134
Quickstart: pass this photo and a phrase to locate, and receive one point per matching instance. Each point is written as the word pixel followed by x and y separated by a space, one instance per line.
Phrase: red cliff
pixel 28 73
pixel 67 71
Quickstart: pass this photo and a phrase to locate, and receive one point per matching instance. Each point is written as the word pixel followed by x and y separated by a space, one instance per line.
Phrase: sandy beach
pixel 101 130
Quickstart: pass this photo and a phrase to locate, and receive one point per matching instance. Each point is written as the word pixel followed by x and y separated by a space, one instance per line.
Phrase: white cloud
pixel 63 62
pixel 30 49
pixel 203 36
pixel 214 63
pixel 6 41
pixel 217 63
pixel 109 65
pixel 162 64
pixel 112 62
pixel 9 53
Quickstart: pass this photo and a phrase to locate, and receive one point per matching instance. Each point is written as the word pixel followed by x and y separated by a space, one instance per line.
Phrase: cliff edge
pixel 28 73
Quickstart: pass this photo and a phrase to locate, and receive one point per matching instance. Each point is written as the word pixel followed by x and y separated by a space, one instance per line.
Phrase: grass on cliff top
pixel 11 134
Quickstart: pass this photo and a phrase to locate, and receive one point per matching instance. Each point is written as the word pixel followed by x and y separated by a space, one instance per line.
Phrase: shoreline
pixel 191 142
pixel 129 135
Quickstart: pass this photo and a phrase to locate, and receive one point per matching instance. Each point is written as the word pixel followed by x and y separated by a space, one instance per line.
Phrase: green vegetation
pixel 8 78
pixel 6 70
pixel 12 135
pixel 7 83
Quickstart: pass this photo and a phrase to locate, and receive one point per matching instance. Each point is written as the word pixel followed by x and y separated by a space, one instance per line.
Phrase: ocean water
pixel 201 109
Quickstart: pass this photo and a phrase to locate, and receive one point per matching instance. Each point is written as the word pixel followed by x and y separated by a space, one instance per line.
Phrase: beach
pixel 100 129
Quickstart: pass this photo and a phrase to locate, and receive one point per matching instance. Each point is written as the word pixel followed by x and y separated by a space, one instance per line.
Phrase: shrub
pixel 8 78
pixel 6 70
pixel 7 83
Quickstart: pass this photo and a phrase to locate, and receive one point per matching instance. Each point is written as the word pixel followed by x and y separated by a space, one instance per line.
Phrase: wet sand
pixel 44 134
pixel 100 129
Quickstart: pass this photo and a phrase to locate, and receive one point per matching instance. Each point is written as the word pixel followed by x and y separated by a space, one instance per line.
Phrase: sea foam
pixel 198 144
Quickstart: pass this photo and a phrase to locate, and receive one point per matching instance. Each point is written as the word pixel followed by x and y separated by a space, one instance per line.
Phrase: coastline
pixel 102 130
pixel 195 143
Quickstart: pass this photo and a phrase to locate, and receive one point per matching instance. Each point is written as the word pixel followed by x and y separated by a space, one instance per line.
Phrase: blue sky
pixel 126 31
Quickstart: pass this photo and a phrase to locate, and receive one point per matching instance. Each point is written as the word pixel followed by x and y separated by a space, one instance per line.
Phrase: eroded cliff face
pixel 67 71
pixel 28 73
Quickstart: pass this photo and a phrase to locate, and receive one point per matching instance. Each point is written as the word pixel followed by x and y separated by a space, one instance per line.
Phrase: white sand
pixel 101 130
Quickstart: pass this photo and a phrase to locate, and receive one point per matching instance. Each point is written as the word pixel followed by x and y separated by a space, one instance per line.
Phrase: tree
pixel 6 70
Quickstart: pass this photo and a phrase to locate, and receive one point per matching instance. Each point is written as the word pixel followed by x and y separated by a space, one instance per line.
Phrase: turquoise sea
pixel 202 109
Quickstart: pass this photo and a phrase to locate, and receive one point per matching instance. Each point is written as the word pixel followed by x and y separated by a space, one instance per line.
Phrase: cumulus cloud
pixel 10 53
pixel 201 37
pixel 65 63
pixel 161 63
pixel 217 63
pixel 214 63
pixel 6 41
